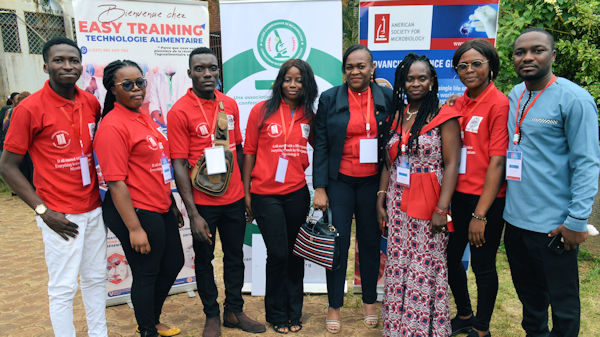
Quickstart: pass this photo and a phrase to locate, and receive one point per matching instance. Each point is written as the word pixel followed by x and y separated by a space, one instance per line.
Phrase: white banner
pixel 257 38
pixel 159 36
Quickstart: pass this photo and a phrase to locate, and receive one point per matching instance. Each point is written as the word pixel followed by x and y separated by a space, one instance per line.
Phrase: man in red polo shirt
pixel 191 125
pixel 55 124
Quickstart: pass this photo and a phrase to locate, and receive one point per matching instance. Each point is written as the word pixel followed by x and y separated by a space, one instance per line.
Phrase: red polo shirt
pixel 189 134
pixel 267 143
pixel 128 148
pixel 40 126
pixel 483 124
pixel 361 108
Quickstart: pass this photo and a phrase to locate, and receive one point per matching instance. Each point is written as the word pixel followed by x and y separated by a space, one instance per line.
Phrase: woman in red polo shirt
pixel 138 207
pixel 478 203
pixel 275 188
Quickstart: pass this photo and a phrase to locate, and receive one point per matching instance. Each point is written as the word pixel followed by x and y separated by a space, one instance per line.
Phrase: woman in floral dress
pixel 413 200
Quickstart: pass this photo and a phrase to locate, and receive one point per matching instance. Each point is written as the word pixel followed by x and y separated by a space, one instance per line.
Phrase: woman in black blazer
pixel 348 154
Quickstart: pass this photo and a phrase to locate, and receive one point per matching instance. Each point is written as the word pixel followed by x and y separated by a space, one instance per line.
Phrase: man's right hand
pixel 320 200
pixel 200 230
pixel 249 214
pixel 59 223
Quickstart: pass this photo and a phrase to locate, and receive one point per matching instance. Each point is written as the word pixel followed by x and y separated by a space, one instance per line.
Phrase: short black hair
pixel 58 40
pixel 485 48
pixel 351 50
pixel 539 30
pixel 201 50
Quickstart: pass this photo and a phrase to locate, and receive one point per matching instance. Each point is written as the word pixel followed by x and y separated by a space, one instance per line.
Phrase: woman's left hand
pixel 438 222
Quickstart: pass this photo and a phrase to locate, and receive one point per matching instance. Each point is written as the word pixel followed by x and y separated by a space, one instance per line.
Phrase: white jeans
pixel 84 255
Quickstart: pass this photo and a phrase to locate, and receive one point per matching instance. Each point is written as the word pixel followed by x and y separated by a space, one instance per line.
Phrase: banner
pixel 257 38
pixel 392 29
pixel 159 36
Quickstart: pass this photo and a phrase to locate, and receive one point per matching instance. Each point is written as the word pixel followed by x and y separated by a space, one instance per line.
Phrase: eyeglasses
pixel 127 85
pixel 462 67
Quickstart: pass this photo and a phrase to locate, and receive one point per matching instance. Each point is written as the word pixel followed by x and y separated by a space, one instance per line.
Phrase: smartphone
pixel 556 245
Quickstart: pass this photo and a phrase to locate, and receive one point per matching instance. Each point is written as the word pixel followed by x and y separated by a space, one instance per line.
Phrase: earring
pixel 491 75
pixel 371 77
pixel 430 87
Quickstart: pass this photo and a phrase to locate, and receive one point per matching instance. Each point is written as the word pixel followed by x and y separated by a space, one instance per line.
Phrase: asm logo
pixel 152 143
pixel 61 139
pixel 382 28
pixel 274 130
pixel 202 130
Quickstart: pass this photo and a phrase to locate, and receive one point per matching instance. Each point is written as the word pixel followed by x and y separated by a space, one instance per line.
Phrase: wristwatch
pixel 40 209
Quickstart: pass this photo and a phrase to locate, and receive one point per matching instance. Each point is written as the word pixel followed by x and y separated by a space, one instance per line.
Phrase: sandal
pixel 295 325
pixel 371 321
pixel 333 326
pixel 280 328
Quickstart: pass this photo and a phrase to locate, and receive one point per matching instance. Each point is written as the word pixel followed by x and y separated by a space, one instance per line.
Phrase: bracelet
pixel 382 191
pixel 481 218
pixel 440 211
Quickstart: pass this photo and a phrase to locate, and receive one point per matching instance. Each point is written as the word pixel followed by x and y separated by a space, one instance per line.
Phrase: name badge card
pixel 215 160
pixel 166 169
pixel 514 165
pixel 462 168
pixel 282 165
pixel 85 170
pixel 403 172
pixel 368 151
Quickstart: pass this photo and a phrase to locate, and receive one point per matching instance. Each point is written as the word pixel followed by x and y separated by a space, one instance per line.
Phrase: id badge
pixel 282 165
pixel 403 172
pixel 462 168
pixel 514 165
pixel 85 170
pixel 166 169
pixel 215 160
pixel 368 151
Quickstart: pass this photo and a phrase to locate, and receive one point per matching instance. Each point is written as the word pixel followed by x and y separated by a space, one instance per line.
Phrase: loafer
pixel 212 327
pixel 473 333
pixel 242 321
pixel 461 325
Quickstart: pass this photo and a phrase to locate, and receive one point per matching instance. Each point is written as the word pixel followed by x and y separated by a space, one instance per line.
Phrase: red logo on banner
pixel 382 28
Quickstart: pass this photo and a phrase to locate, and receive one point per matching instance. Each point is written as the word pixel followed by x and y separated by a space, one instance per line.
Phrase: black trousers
pixel 483 259
pixel 279 218
pixel 543 277
pixel 153 273
pixel 355 196
pixel 231 222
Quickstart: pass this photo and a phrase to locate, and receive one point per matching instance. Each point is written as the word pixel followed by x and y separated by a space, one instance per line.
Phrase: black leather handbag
pixel 317 241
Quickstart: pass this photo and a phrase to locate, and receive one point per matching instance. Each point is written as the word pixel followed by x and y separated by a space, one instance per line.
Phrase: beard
pixel 532 76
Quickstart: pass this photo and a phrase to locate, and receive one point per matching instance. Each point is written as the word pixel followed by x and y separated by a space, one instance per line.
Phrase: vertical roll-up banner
pixel 434 28
pixel 158 35
pixel 257 38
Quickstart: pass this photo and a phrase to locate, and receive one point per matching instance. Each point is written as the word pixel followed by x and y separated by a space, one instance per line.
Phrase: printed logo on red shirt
pixel 61 139
pixel 152 143
pixel 202 130
pixel 274 130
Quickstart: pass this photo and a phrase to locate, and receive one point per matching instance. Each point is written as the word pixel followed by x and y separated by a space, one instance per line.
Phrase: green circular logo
pixel 279 41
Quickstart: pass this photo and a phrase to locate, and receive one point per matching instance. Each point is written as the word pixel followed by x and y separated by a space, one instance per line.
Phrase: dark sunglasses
pixel 127 85
pixel 462 67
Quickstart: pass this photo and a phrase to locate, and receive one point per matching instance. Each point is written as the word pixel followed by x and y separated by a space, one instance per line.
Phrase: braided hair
pixel 429 107
pixel 308 95
pixel 108 80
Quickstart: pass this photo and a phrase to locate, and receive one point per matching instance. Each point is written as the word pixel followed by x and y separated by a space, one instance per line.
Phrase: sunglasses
pixel 127 85
pixel 462 67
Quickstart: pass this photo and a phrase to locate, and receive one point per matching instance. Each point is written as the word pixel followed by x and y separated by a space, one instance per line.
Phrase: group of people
pixel 434 177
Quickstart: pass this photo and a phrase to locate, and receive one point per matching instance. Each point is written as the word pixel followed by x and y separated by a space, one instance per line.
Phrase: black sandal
pixel 295 323
pixel 280 328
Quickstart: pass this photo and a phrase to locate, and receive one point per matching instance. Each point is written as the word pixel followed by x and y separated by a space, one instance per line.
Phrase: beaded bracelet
pixel 475 216
pixel 440 211
pixel 379 192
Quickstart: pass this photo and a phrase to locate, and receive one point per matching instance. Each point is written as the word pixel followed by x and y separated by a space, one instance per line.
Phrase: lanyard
pixel 77 132
pixel 285 132
pixel 518 122
pixel 154 132
pixel 214 124
pixel 468 114
pixel 368 114
pixel 404 135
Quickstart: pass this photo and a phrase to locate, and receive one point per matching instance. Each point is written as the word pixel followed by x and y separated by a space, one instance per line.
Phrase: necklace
pixel 411 114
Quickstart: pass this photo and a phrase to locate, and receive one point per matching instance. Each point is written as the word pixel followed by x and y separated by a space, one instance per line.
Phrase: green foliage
pixel 350 22
pixel 575 25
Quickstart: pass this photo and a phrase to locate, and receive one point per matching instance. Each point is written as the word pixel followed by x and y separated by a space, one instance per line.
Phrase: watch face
pixel 40 209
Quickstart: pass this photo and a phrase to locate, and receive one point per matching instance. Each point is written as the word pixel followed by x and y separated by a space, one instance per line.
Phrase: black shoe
pixel 473 333
pixel 461 325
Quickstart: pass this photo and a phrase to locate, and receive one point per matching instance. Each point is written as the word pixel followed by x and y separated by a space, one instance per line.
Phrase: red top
pixel 128 147
pixel 189 134
pixel 361 107
pixel 39 125
pixel 267 143
pixel 485 134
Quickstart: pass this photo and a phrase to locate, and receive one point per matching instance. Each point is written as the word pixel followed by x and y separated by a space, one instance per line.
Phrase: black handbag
pixel 317 241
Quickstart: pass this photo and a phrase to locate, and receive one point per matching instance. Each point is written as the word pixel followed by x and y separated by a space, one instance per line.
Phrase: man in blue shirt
pixel 553 125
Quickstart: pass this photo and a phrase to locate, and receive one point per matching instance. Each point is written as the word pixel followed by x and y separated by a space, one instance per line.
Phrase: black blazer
pixel 330 127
